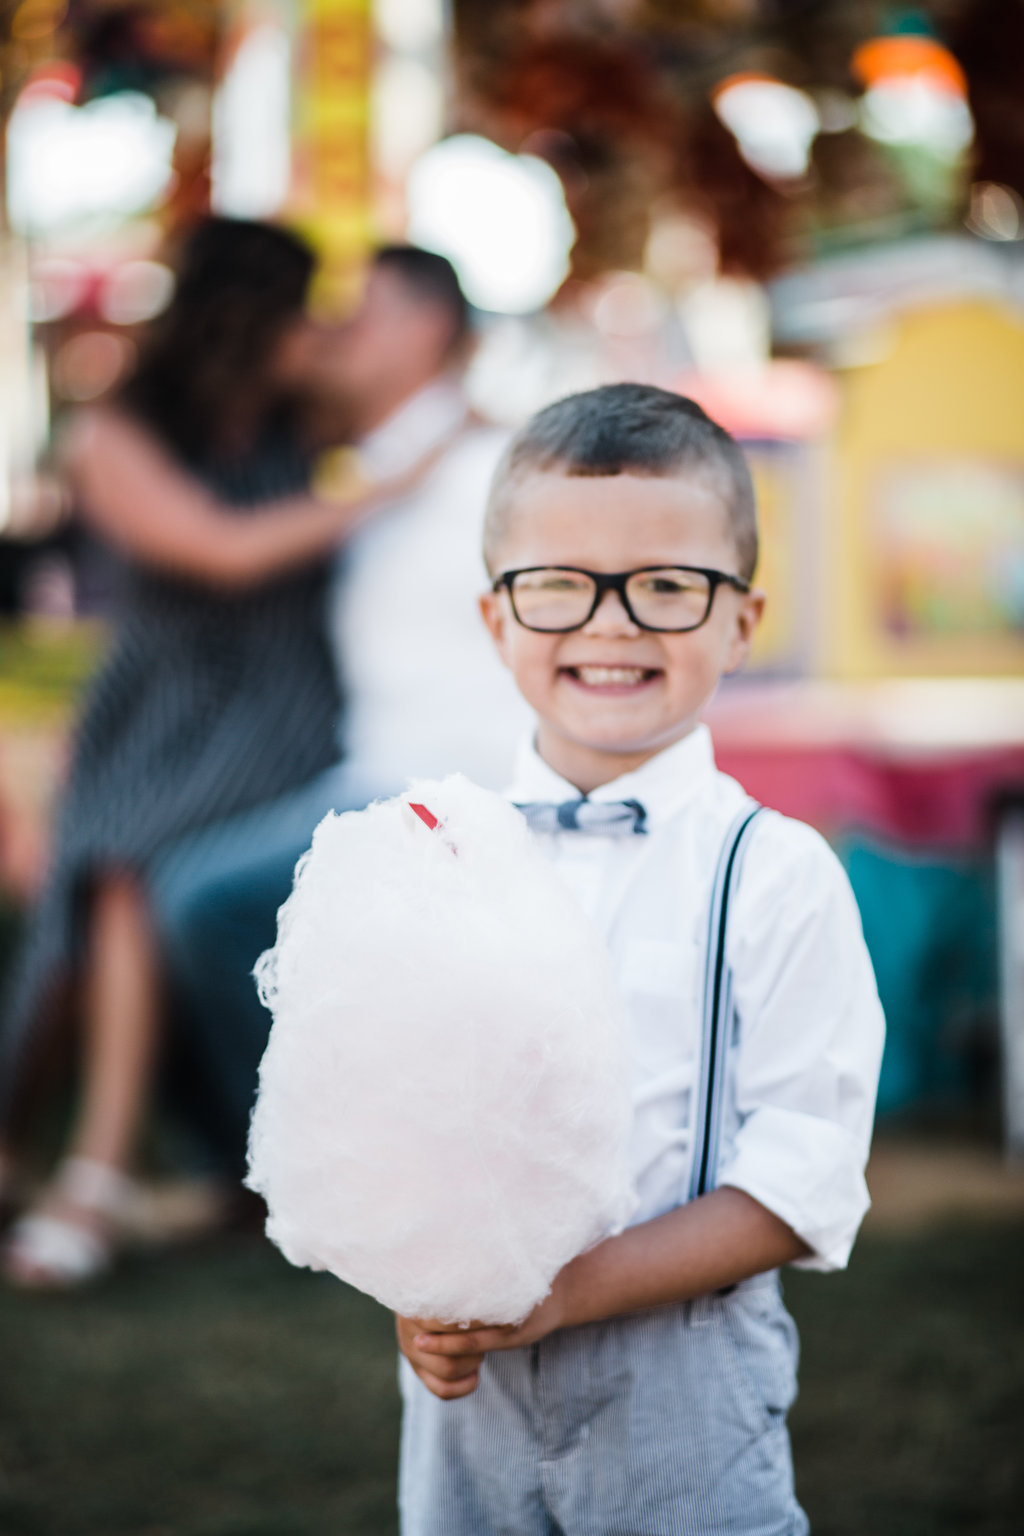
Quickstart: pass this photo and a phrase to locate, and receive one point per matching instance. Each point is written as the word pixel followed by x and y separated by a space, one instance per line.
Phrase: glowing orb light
pixel 501 220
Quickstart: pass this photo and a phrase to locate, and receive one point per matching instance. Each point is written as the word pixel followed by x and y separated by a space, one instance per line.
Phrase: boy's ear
pixel 494 611
pixel 749 613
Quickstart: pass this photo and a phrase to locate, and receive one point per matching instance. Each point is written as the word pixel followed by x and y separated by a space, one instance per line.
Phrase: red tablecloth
pixel 933 802
pixel 923 763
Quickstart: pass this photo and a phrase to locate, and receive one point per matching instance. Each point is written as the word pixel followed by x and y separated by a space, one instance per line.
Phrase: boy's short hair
pixel 627 429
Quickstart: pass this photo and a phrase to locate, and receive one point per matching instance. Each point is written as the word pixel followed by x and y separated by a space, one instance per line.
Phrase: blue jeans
pixel 215 897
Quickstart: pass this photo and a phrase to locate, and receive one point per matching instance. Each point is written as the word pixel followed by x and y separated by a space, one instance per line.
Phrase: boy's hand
pixel 448 1360
pixel 449 1373
pixel 700 1247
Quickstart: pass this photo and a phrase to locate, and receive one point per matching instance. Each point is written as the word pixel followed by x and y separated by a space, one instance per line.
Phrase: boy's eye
pixel 667 584
pixel 555 581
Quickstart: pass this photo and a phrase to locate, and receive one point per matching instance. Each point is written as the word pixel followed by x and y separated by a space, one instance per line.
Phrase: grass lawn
pixel 216 1392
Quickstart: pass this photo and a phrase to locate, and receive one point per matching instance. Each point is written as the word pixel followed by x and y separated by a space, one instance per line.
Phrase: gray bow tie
pixel 599 818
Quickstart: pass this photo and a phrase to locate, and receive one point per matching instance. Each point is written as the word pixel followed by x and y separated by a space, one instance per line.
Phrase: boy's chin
pixel 615 746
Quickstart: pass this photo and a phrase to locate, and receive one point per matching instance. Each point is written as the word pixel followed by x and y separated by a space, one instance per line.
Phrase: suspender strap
pixel 717 1013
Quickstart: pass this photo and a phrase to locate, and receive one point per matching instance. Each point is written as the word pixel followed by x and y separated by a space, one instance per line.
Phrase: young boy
pixel 647 1394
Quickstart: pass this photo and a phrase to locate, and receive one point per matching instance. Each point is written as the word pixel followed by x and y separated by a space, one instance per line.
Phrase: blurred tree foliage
pixel 616 94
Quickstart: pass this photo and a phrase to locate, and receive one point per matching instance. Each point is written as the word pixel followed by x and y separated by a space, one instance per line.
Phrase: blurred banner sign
pixel 948 547
pixel 782 412
pixel 332 90
pixel 927 568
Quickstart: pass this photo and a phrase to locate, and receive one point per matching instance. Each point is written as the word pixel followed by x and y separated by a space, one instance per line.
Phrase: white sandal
pixel 45 1252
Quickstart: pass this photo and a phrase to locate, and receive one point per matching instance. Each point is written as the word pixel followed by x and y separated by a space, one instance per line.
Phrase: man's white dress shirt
pixel 803 1071
pixel 424 691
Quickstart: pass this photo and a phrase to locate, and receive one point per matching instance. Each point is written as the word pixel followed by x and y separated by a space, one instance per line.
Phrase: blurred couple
pixel 263 671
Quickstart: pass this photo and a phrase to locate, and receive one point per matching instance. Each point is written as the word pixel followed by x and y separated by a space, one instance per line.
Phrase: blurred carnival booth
pixel 885 705
pixel 816 230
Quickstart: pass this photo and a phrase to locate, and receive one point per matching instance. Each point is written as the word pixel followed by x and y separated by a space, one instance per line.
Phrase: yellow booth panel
pixel 786 479
pixel 927 560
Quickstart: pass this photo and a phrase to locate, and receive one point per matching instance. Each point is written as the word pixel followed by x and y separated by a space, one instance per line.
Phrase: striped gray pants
pixel 664 1423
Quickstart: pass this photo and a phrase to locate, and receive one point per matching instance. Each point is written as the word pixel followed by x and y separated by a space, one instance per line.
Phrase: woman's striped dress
pixel 208 703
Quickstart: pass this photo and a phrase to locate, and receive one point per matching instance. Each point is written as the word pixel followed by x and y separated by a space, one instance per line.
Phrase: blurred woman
pixel 218 692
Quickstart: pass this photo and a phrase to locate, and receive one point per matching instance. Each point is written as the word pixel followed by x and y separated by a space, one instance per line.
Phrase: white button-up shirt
pixel 424 691
pixel 803 1070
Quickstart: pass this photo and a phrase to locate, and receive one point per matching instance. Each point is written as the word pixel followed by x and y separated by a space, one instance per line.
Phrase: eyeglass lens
pixel 555 599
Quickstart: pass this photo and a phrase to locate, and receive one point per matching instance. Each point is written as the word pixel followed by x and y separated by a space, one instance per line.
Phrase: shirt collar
pixel 419 425
pixel 663 784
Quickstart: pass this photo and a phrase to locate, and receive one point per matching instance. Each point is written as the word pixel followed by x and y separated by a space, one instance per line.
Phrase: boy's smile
pixel 610 695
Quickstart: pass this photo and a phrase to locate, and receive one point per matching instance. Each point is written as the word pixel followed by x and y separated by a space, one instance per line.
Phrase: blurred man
pixel 424 709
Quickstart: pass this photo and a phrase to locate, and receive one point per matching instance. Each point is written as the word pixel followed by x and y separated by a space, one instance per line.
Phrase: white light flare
pixel 916 109
pixel 252 166
pixel 501 220
pixel 410 26
pixel 408 113
pixel 773 124
pixel 68 165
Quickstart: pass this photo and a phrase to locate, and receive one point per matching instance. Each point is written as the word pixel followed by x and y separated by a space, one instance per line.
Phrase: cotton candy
pixel 443 1108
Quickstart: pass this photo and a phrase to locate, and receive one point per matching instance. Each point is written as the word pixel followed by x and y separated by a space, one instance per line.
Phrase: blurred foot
pixel 174 1211
pixel 71 1237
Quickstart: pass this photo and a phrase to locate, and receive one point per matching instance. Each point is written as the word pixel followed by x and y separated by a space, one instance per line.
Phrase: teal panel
pixel 930 926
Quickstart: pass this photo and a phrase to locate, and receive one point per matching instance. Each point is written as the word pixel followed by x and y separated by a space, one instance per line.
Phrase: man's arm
pixel 705 1246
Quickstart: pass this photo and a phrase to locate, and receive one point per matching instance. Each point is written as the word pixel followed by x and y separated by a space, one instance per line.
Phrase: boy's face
pixel 611 695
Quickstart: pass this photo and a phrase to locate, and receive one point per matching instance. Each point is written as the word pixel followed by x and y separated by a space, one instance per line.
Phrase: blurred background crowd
pixel 277 278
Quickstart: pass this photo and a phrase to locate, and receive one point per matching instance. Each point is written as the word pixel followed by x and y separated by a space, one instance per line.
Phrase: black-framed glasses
pixel 554 599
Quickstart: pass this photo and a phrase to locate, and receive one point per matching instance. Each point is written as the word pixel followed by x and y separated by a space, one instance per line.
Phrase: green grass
pixel 216 1392
pixel 911 1414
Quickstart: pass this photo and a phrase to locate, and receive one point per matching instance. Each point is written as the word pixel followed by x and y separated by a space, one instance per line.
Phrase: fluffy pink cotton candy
pixel 444 1106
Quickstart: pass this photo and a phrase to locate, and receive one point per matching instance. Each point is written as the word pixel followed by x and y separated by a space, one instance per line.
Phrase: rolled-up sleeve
pixel 810 1040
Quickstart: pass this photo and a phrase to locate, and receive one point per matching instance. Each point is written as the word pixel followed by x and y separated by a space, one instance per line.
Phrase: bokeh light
pixel 773 124
pixel 500 218
pixel 136 291
pixel 252 127
pixel 89 364
pixel 68 164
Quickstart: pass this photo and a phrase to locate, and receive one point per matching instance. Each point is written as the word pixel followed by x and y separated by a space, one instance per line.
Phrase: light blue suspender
pixel 717 1009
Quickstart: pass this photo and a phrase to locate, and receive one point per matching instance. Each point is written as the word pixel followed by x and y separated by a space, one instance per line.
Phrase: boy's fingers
pixel 497 1338
pixel 449 1390
pixel 475 1341
pixel 451 1370
pixel 447 1344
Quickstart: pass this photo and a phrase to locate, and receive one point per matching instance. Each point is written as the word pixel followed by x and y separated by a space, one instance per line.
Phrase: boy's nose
pixel 610 617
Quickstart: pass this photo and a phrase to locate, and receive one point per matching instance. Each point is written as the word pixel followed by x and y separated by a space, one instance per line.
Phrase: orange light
pixel 889 58
pixel 743 77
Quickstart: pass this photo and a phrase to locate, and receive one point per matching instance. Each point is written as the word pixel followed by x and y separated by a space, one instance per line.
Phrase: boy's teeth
pixel 603 677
